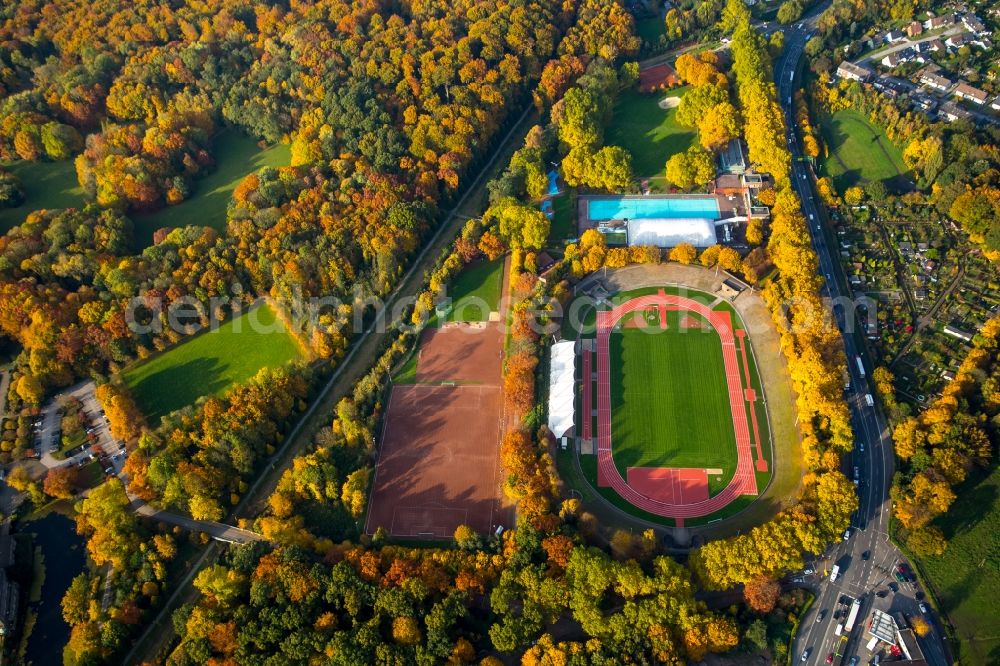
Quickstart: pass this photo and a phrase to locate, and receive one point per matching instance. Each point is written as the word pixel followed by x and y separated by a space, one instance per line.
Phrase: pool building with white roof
pixel 661 220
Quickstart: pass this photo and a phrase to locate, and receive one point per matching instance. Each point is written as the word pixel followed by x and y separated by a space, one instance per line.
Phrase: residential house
pixel 892 60
pixel 964 91
pixel 995 104
pixel 939 22
pixel 951 112
pixel 851 71
pixel 935 81
pixel 894 36
pixel 959 40
pixel 893 86
pixel 915 28
pixel 972 23
pixel 923 102
pixel 934 45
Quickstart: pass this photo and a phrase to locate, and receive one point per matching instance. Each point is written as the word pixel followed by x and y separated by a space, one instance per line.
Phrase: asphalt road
pixel 879 53
pixel 867 557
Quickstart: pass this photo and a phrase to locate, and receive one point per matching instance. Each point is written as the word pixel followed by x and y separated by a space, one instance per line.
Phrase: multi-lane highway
pixel 866 557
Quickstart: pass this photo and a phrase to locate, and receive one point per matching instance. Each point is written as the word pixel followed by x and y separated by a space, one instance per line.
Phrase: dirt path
pixel 929 318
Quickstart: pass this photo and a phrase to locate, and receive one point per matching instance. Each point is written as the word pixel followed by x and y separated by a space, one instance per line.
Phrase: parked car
pixel 923 607
pixel 847 534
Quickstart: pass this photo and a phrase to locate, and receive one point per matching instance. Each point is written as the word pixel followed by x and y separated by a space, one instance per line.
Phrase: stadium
pixel 661 399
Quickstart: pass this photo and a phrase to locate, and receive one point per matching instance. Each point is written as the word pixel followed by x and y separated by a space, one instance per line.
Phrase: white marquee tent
pixel 670 232
pixel 562 385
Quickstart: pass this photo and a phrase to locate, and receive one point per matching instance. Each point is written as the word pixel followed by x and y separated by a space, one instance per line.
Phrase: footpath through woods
pixel 362 353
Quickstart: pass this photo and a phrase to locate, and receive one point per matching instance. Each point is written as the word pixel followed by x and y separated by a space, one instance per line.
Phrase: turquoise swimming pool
pixel 645 208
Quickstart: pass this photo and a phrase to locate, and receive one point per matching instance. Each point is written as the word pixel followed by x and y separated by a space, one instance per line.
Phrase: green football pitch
pixel 669 398
pixel 210 363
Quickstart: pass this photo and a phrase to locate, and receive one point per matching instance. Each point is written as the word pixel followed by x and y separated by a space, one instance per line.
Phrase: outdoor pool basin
pixel 652 207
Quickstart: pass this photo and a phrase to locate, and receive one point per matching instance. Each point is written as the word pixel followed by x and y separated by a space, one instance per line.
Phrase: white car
pixel 923 607
pixel 847 534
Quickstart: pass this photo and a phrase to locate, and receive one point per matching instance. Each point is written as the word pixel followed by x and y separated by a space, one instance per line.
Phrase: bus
pixel 861 366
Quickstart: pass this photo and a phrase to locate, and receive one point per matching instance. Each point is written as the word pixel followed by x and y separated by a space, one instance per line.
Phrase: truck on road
pixel 861 366
pixel 835 572
pixel 852 616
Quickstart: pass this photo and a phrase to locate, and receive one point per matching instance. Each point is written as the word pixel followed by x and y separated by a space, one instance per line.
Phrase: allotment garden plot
pixel 680 429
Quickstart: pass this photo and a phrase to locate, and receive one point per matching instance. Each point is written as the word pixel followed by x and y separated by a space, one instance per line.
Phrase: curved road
pixel 867 558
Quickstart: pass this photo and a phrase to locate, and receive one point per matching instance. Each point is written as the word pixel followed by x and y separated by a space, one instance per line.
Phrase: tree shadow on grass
pixel 237 155
pixel 178 386
pixel 975 497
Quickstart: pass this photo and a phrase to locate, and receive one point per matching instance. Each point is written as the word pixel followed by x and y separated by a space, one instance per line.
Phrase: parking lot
pixel 100 444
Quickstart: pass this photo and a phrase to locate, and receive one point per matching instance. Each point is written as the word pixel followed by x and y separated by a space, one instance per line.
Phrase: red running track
pixel 751 398
pixel 744 482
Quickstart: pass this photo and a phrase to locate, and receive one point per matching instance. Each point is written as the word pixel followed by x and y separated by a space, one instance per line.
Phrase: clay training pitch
pixel 438 464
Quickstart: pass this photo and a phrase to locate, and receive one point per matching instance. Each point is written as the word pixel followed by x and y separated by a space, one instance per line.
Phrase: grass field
pixel 861 153
pixel 47 185
pixel 476 291
pixel 650 29
pixel 966 578
pixel 669 402
pixel 236 155
pixel 650 133
pixel 209 363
